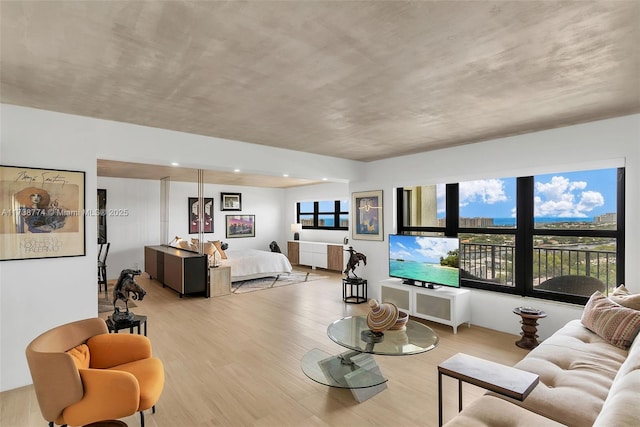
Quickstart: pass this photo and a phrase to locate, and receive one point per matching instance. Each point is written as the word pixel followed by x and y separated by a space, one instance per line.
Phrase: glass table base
pixel 352 370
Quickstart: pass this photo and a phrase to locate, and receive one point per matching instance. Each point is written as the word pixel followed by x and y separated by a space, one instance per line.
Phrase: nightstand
pixel 220 280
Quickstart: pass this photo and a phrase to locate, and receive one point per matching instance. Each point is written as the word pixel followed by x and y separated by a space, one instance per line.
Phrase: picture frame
pixel 230 201
pixel 102 216
pixel 240 226
pixel 42 213
pixel 367 215
pixel 207 223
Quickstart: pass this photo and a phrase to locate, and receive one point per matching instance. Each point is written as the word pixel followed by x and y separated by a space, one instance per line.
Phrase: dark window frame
pixel 524 234
pixel 316 216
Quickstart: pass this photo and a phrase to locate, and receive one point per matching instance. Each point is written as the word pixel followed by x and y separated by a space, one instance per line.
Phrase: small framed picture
pixel 367 215
pixel 230 201
pixel 207 219
pixel 241 226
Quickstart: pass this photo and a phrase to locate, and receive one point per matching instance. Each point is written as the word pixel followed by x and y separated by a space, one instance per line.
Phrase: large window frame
pixel 524 232
pixel 317 213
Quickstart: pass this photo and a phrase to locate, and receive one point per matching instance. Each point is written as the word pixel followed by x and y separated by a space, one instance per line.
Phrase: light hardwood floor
pixel 235 361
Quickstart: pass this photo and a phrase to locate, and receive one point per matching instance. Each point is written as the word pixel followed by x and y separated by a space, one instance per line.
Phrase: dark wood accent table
pixel 357 290
pixel 529 322
pixel 502 379
pixel 136 322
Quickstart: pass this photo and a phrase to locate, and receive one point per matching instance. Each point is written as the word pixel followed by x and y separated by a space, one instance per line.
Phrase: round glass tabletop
pixel 353 333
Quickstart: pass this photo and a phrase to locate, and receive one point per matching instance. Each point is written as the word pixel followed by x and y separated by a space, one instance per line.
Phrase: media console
pixel 449 306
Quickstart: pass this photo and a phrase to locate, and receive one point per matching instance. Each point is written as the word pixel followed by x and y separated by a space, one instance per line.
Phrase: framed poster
pixel 241 226
pixel 207 221
pixel 367 215
pixel 42 213
pixel 230 201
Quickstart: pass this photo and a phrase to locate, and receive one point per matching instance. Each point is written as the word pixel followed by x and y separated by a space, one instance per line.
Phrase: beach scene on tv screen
pixel 419 258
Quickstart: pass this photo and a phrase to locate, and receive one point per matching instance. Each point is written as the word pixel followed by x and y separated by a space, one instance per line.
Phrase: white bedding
pixel 253 263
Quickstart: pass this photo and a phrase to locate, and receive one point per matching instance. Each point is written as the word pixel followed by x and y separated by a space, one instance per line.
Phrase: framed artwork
pixel 241 226
pixel 42 213
pixel 102 216
pixel 367 215
pixel 207 221
pixel 230 201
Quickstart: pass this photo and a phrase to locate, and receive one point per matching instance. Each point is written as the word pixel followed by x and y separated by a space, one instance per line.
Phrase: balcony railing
pixel 495 263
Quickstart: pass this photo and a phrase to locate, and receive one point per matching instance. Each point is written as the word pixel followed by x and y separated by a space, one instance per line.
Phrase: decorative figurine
pixel 354 261
pixel 126 287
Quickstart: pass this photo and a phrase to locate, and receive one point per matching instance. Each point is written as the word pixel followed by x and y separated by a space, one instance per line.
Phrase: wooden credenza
pixel 183 271
pixel 316 254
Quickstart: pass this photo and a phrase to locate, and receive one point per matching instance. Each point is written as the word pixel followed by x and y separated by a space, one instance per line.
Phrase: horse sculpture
pixel 126 288
pixel 354 261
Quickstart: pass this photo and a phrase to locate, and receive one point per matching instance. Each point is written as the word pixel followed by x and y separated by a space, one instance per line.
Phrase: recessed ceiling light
pixel 286 175
pixel 324 179
pixel 236 170
pixel 175 164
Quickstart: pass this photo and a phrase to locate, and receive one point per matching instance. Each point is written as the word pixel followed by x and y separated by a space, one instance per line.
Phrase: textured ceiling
pixel 358 80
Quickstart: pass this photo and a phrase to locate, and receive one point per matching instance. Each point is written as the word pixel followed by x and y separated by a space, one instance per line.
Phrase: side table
pixel 136 322
pixel 357 287
pixel 502 379
pixel 529 326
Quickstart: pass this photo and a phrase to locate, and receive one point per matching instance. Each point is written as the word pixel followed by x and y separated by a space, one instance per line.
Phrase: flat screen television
pixel 424 261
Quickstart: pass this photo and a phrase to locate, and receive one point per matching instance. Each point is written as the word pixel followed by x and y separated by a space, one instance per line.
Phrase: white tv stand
pixel 449 306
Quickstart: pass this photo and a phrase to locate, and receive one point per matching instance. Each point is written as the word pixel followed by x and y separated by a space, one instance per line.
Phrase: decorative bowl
pixel 400 324
pixel 382 316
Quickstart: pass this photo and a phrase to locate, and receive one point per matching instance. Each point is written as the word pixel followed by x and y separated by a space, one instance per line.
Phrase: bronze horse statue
pixel 354 261
pixel 126 288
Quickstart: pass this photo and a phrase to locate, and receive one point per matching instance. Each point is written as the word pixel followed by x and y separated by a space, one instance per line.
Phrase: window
pixel 325 215
pixel 555 236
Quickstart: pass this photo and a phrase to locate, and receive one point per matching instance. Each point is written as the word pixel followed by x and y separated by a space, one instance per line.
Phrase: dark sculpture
pixel 274 247
pixel 126 287
pixel 354 261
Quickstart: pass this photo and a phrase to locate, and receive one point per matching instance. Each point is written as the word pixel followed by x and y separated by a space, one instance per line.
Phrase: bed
pixel 253 263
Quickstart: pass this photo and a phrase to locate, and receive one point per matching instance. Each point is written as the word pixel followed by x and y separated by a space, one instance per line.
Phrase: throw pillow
pixel 622 296
pixel 218 246
pixel 614 323
pixel 80 355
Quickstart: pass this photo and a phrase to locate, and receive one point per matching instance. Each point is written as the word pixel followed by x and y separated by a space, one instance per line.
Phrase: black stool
pixel 357 290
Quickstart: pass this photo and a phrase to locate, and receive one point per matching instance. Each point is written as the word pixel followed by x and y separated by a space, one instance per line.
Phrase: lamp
pixel 296 229
pixel 175 239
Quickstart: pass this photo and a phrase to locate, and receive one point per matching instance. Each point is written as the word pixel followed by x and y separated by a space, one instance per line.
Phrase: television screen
pixel 430 260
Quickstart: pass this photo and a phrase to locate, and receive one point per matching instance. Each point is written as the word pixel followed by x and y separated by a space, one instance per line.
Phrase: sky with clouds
pixel 582 194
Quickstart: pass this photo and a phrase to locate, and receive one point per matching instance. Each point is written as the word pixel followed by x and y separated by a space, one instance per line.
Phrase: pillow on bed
pixel 218 246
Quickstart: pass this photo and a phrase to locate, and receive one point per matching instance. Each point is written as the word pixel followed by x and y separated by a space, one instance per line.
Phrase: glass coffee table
pixel 356 369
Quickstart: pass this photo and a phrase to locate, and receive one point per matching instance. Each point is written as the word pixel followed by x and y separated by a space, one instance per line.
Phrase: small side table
pixel 136 322
pixel 505 380
pixel 220 280
pixel 529 322
pixel 357 287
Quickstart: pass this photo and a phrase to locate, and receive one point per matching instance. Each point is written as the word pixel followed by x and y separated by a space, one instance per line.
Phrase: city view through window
pixel 573 233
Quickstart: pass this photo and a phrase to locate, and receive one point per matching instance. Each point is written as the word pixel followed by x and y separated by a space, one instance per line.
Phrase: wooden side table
pixel 502 379
pixel 529 322
pixel 220 280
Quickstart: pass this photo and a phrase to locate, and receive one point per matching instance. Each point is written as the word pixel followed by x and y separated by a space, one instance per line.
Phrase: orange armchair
pixel 83 374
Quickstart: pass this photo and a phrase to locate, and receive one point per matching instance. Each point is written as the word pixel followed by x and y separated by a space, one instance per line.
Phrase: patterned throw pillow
pixel 614 323
pixel 623 297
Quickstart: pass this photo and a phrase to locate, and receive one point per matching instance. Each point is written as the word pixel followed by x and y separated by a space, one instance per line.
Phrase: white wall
pixel 591 145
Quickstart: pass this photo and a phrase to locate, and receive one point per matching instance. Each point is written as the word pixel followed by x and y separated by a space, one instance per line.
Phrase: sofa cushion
pixel 616 324
pixel 80 355
pixel 621 407
pixel 625 298
pixel 490 411
pixel 574 365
